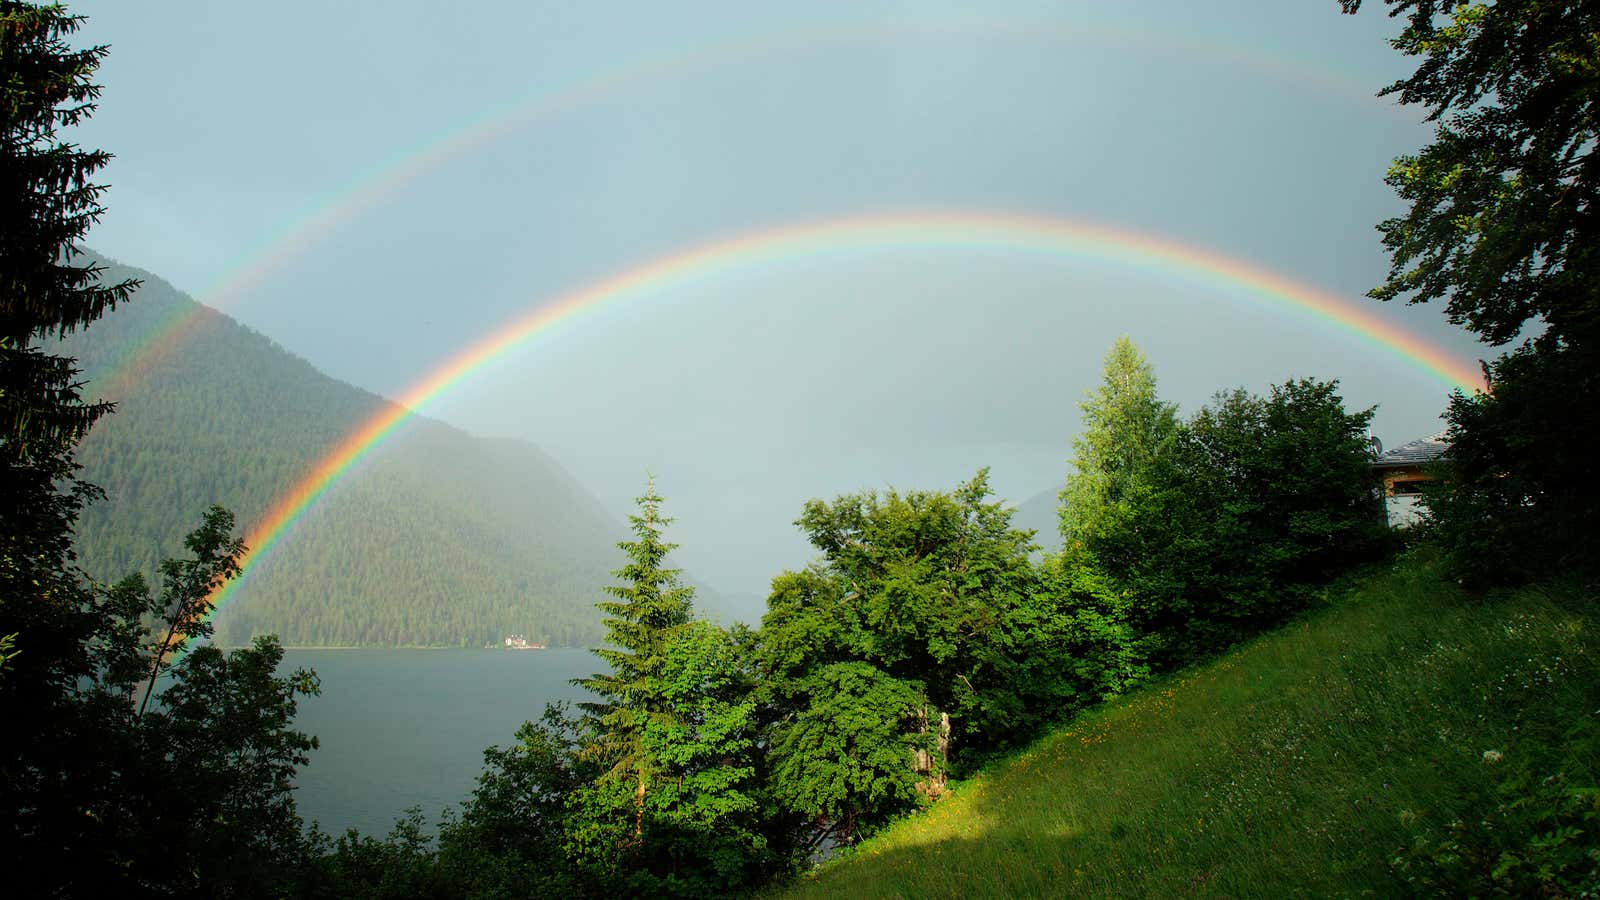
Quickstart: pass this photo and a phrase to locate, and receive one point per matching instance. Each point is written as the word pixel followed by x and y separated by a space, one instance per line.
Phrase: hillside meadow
pixel 1388 743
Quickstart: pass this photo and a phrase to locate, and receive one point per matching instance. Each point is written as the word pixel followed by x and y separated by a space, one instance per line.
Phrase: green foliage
pixel 1071 645
pixel 1126 431
pixel 220 811
pixel 187 588
pixel 50 203
pixel 512 834
pixel 640 624
pixel 401 866
pixel 902 648
pixel 707 757
pixel 1501 227
pixel 693 825
pixel 120 787
pixel 1116 521
pixel 1227 524
pixel 1285 483
pixel 673 734
pixel 1517 501
pixel 846 756
pixel 1534 838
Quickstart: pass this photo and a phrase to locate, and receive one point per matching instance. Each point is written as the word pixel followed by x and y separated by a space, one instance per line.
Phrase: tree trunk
pixel 944 748
pixel 933 781
pixel 638 802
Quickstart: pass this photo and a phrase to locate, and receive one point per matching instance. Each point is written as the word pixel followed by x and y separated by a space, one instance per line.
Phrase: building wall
pixel 1400 506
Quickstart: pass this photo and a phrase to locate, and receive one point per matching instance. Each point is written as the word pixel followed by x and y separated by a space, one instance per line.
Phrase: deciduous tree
pixel 1504 229
pixel 1126 429
pixel 885 659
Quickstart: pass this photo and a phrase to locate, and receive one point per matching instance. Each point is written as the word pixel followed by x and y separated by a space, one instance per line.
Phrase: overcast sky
pixel 1248 129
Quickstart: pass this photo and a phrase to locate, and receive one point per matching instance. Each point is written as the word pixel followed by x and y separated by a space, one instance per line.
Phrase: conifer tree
pixel 50 204
pixel 651 604
pixel 47 613
pixel 187 795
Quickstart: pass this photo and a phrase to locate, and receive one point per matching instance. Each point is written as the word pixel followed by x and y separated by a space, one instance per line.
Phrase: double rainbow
pixel 1066 239
pixel 550 101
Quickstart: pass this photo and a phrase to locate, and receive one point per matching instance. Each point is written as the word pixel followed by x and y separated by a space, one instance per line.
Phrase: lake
pixel 402 728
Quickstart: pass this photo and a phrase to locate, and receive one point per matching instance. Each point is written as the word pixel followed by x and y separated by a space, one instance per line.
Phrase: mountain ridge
pixel 435 538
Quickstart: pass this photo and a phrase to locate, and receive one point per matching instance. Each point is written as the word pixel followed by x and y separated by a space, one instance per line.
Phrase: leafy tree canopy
pixel 1503 228
pixel 1126 428
pixel 1502 221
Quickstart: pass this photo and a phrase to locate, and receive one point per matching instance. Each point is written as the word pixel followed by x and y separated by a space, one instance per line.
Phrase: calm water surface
pixel 402 728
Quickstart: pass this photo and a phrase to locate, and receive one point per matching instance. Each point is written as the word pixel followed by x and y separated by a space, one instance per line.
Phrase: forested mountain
pixel 437 538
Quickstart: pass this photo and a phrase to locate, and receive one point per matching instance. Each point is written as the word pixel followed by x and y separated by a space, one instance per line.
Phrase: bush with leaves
pixel 1532 838
pixel 401 866
pixel 844 758
pixel 511 834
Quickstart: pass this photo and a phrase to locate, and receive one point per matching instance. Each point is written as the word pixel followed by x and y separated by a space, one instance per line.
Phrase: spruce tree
pixel 48 617
pixel 49 204
pixel 651 604
pixel 187 795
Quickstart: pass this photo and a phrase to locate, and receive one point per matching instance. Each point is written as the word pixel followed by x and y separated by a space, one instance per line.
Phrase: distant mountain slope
pixel 437 538
pixel 1041 513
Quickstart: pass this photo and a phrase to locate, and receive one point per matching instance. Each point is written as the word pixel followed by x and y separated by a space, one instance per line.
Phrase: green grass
pixel 1305 762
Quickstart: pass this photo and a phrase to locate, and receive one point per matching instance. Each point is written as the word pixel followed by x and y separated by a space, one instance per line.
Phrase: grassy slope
pixel 1302 763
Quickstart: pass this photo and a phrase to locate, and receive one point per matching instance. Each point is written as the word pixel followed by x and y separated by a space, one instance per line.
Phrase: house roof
pixel 1417 453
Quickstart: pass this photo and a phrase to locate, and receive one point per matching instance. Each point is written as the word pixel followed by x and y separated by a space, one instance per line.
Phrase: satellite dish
pixel 1375 444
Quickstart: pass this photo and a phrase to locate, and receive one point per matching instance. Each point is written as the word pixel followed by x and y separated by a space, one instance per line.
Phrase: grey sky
pixel 1247 128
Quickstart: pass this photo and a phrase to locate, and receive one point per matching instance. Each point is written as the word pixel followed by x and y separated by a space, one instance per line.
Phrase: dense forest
pixel 437 538
pixel 928 638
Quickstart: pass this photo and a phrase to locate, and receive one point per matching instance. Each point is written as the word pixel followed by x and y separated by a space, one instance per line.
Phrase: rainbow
pixel 966 230
pixel 366 190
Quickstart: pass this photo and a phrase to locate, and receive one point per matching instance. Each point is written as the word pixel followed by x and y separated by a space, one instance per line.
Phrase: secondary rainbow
pixel 1102 245
pixel 402 167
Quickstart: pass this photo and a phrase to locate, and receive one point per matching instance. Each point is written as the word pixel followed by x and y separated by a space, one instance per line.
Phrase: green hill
pixel 437 538
pixel 1389 744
